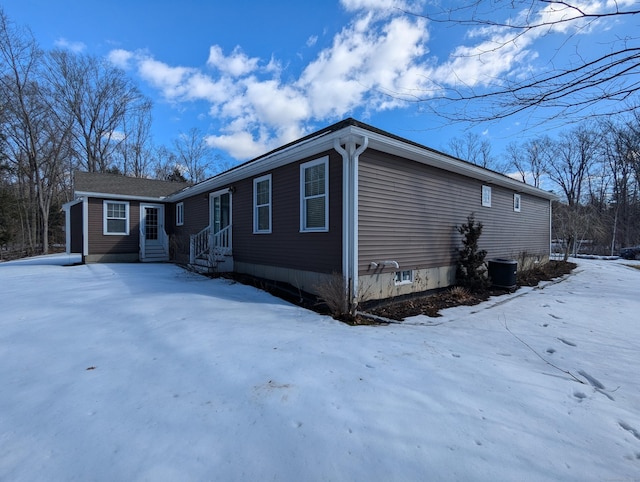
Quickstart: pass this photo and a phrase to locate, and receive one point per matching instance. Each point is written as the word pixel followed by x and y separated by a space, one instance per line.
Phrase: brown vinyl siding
pixel 408 212
pixel 113 244
pixel 196 218
pixel 286 246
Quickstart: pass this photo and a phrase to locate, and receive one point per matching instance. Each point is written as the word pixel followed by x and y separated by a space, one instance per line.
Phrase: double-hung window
pixel 262 204
pixel 314 195
pixel 179 214
pixel 516 203
pixel 486 196
pixel 116 217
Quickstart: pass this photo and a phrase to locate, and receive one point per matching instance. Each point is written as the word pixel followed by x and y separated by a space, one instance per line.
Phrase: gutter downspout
pixel 350 159
pixel 85 228
pixel 550 228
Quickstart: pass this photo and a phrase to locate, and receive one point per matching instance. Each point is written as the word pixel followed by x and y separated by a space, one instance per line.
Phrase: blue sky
pixel 253 75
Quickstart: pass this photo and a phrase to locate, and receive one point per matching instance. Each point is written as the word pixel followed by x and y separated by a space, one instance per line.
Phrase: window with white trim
pixel 116 217
pixel 516 203
pixel 314 195
pixel 262 204
pixel 404 277
pixel 179 214
pixel 486 196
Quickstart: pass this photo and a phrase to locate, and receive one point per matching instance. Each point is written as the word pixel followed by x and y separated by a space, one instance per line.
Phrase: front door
pixel 221 221
pixel 152 231
pixel 221 205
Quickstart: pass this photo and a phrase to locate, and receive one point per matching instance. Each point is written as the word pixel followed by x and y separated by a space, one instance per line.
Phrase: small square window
pixel 179 214
pixel 404 277
pixel 486 196
pixel 516 203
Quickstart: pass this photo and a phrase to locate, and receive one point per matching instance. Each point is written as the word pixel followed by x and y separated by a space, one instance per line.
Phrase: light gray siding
pixel 408 212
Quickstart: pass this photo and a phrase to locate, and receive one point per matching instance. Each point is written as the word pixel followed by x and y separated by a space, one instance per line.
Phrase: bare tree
pixel 530 159
pixel 574 153
pixel 133 154
pixel 575 224
pixel 604 77
pixel 569 165
pixel 165 165
pixel 621 151
pixel 35 143
pixel 193 155
pixel 474 149
pixel 100 98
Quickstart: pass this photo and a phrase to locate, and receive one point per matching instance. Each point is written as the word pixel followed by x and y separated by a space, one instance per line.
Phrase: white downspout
pixel 350 158
pixel 85 228
pixel 550 229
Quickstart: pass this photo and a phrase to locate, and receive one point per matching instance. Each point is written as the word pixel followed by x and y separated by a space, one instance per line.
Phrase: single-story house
pixel 378 210
pixel 103 220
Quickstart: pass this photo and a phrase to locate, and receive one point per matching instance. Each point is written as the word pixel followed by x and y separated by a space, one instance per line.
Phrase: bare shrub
pixel 460 294
pixel 528 261
pixel 333 292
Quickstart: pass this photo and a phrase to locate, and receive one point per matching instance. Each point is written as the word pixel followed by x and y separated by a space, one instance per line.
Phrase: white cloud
pixel 120 58
pixel 239 144
pixel 501 52
pixel 379 5
pixel 365 63
pixel 367 60
pixel 65 44
pixel 380 60
pixel 237 64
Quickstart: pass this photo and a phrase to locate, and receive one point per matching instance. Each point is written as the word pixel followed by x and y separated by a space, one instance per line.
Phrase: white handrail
pixel 222 241
pixel 199 244
pixel 207 243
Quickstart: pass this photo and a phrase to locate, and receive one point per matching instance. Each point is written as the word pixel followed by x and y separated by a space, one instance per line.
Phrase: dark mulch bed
pixel 431 305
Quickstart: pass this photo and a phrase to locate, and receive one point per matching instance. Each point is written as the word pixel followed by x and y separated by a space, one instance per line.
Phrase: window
pixel 179 214
pixel 516 203
pixel 116 217
pixel 262 204
pixel 486 196
pixel 404 277
pixel 314 198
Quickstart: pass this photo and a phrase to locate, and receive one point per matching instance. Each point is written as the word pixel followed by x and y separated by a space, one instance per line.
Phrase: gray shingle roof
pixel 98 182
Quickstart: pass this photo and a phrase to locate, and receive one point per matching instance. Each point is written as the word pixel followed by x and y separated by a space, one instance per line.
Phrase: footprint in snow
pixel 556 317
pixel 594 382
pixel 551 351
pixel 629 429
pixel 579 395
pixel 567 342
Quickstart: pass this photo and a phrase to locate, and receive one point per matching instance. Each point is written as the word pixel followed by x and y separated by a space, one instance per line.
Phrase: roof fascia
pixel 126 197
pixel 316 145
pixel 377 141
pixel 71 203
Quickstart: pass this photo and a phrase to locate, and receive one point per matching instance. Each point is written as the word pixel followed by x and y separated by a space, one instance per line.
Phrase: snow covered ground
pixel 147 372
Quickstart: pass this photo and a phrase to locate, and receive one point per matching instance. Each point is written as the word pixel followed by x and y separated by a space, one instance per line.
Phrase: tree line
pixel 63 111
pixel 593 167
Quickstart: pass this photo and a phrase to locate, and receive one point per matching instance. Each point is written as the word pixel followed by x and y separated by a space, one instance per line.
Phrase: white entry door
pixel 152 231
pixel 220 208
